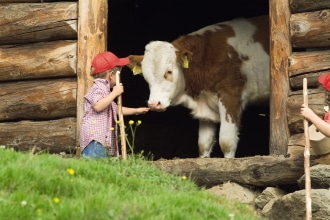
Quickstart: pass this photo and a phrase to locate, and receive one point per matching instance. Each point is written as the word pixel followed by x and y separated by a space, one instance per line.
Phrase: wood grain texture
pixel 92 39
pixel 280 50
pixel 50 60
pixel 53 136
pixel 38 100
pixel 258 171
pixel 308 5
pixel 35 22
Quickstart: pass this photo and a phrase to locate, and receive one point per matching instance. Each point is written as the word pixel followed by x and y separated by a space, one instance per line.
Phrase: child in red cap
pixel 323 125
pixel 98 134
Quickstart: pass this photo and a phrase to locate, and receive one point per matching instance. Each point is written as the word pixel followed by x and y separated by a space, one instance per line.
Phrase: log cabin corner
pixel 46 49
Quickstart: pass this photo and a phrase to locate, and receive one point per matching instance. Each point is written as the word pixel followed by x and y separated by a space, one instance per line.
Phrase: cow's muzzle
pixel 156 106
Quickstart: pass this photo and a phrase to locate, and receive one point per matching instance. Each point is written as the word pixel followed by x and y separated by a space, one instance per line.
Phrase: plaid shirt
pixel 99 126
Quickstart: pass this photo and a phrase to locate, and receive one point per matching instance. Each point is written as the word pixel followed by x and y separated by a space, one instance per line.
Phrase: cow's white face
pixel 163 74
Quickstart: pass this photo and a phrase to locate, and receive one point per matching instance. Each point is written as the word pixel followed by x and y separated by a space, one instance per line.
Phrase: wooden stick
pixel 121 121
pixel 307 158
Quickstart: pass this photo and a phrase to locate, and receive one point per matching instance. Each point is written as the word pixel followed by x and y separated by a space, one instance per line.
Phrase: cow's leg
pixel 228 134
pixel 206 137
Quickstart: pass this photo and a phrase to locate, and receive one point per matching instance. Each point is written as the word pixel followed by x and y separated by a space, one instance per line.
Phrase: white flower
pixel 23 203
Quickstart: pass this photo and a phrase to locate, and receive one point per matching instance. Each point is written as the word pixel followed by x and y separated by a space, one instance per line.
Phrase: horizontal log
pixel 51 59
pixel 53 136
pixel 30 1
pixel 258 170
pixel 308 5
pixel 38 100
pixel 296 80
pixel 36 22
pixel 311 29
pixel 304 62
pixel 296 141
pixel 316 101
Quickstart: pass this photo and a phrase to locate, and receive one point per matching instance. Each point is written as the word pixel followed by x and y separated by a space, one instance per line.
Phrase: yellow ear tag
pixel 136 70
pixel 185 62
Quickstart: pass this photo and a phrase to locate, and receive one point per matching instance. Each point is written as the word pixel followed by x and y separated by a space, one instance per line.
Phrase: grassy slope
pixel 50 187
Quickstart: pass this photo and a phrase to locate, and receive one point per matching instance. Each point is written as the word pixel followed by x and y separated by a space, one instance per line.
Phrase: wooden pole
pixel 92 39
pixel 307 158
pixel 121 121
pixel 280 51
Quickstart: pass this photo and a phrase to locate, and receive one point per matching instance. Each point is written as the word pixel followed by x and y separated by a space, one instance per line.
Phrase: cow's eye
pixel 168 75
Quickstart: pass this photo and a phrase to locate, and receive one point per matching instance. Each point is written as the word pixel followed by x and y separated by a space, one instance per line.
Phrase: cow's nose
pixel 156 106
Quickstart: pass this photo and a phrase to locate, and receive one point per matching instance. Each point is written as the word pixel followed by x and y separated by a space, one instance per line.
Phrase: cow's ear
pixel 135 63
pixel 184 57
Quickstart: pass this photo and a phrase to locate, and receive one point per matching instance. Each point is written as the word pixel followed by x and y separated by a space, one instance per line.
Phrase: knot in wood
pixel 324 14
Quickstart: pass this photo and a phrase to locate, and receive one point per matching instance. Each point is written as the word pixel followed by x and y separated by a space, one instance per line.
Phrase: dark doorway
pixel 174 133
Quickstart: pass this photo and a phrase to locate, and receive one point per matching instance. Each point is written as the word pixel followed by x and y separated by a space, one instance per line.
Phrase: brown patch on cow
pixel 204 72
pixel 262 22
pixel 135 61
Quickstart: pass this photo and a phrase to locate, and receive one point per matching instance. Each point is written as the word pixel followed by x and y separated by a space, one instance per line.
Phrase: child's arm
pixel 135 111
pixel 106 101
pixel 319 123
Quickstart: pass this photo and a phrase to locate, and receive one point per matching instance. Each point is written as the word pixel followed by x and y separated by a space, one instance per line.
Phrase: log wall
pixel 38 79
pixel 44 69
pixel 45 54
pixel 309 58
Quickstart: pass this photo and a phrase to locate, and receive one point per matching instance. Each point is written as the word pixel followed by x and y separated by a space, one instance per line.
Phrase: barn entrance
pixel 133 24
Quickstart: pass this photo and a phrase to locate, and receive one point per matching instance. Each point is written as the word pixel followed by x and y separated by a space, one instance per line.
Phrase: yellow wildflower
pixel 131 122
pixel 56 200
pixel 70 171
pixel 138 122
pixel 183 177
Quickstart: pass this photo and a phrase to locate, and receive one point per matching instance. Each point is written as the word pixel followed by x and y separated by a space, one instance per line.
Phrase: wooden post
pixel 280 50
pixel 307 159
pixel 121 121
pixel 92 39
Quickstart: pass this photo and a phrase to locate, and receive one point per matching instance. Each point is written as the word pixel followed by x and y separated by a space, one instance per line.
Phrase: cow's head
pixel 161 67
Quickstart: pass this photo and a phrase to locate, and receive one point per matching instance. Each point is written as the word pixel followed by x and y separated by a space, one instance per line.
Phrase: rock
pixel 292 206
pixel 320 177
pixel 268 194
pixel 234 191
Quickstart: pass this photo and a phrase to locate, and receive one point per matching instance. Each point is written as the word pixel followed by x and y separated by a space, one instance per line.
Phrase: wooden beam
pixel 308 5
pixel 310 29
pixel 52 59
pixel 38 99
pixel 280 49
pixel 35 22
pixel 92 39
pixel 53 136
pixel 258 171
pixel 304 62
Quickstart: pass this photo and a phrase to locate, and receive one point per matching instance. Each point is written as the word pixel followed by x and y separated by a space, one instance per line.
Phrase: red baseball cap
pixel 107 60
pixel 325 81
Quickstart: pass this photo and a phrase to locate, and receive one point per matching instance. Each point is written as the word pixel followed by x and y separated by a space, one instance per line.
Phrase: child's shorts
pixel 95 150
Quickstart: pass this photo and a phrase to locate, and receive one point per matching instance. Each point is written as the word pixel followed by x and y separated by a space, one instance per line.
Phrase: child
pixel 98 134
pixel 322 125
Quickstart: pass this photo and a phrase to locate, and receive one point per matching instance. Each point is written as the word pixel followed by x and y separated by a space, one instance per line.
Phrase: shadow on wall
pixel 133 24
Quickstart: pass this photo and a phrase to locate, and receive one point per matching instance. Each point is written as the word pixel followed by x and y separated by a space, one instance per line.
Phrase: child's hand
pixel 142 110
pixel 118 89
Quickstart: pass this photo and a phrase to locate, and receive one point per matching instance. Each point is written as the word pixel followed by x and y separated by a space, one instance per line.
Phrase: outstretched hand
pixel 142 110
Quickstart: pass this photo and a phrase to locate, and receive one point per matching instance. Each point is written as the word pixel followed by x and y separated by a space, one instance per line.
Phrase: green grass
pixel 46 186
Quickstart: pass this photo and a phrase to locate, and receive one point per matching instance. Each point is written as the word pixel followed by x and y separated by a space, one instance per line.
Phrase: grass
pixel 47 186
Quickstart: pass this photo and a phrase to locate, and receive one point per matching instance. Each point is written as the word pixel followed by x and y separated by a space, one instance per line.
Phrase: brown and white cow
pixel 215 72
